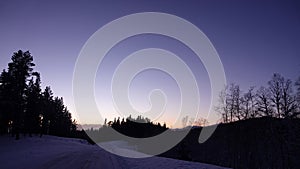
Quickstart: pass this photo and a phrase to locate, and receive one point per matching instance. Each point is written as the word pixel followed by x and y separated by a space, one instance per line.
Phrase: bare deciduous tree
pixel 201 122
pixel 275 87
pixel 235 102
pixel 198 122
pixel 223 107
pixel 288 99
pixel 297 85
pixel 230 104
pixel 277 100
pixel 248 104
pixel 263 102
pixel 184 121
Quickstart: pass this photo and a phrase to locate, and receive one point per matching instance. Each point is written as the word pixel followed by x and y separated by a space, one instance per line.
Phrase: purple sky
pixel 254 39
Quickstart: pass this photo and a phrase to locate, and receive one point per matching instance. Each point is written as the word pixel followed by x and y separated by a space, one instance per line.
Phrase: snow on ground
pixel 50 152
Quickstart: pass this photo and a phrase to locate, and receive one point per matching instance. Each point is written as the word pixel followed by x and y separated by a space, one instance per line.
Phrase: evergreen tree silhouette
pixel 18 71
pixel 33 105
pixel 24 108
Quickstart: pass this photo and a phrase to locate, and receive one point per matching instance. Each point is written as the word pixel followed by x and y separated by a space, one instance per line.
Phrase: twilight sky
pixel 253 39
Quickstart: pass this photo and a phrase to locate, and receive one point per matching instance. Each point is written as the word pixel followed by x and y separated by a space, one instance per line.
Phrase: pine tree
pixel 24 108
pixel 33 105
pixel 19 70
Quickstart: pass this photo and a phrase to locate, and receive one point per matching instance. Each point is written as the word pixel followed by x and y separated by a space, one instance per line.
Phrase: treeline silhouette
pixel 24 107
pixel 280 99
pixel 140 127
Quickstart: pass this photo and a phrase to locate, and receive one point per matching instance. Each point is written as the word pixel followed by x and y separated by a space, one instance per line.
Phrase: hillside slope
pixel 247 144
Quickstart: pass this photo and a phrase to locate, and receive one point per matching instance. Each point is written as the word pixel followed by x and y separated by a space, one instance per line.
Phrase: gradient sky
pixel 253 39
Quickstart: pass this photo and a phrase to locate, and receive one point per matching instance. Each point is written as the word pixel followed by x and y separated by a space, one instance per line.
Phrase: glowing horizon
pixel 251 45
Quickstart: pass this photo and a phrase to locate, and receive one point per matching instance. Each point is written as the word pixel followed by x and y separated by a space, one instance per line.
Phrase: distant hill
pixel 248 144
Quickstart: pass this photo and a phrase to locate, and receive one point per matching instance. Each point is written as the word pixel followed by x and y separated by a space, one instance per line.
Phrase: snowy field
pixel 51 152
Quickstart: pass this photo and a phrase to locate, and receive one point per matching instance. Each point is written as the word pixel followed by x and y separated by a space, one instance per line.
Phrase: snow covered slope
pixel 51 152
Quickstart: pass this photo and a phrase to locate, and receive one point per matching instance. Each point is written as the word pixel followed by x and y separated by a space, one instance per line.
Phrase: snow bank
pixel 56 152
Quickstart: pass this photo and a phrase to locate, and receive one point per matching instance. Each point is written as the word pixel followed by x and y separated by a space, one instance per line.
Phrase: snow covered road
pixel 51 152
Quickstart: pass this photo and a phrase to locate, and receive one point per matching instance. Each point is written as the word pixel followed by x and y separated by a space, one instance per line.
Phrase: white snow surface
pixel 50 152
